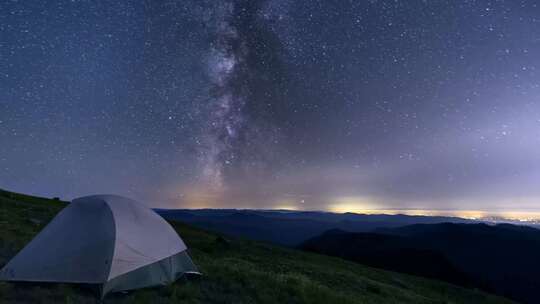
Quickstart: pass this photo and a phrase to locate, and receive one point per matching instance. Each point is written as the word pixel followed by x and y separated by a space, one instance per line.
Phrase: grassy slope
pixel 238 271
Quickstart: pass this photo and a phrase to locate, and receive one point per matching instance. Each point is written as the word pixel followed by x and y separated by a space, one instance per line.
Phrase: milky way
pixel 227 120
pixel 240 140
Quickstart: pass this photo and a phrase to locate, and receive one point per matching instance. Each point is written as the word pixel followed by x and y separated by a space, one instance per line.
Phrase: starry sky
pixel 319 105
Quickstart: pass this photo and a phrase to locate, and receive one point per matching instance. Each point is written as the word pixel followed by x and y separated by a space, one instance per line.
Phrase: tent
pixel 107 240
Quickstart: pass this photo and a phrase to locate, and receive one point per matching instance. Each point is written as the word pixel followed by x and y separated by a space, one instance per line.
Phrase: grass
pixel 235 271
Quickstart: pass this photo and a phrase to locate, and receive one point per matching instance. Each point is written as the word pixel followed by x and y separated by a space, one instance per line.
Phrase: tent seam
pixel 107 278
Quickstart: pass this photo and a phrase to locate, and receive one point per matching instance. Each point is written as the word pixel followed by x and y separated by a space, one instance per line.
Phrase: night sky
pixel 320 105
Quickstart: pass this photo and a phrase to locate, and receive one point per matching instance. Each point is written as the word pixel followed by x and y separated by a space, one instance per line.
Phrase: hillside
pixel 235 271
pixel 501 259
pixel 389 252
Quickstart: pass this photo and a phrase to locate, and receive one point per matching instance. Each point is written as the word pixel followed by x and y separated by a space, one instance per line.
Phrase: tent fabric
pixel 108 240
pixel 76 246
pixel 162 272
pixel 142 236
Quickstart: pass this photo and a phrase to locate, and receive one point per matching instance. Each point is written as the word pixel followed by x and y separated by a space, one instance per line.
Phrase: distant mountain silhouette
pixel 290 228
pixel 503 259
pixel 392 252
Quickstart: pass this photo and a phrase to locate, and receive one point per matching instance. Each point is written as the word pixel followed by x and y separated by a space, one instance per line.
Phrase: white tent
pixel 108 240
